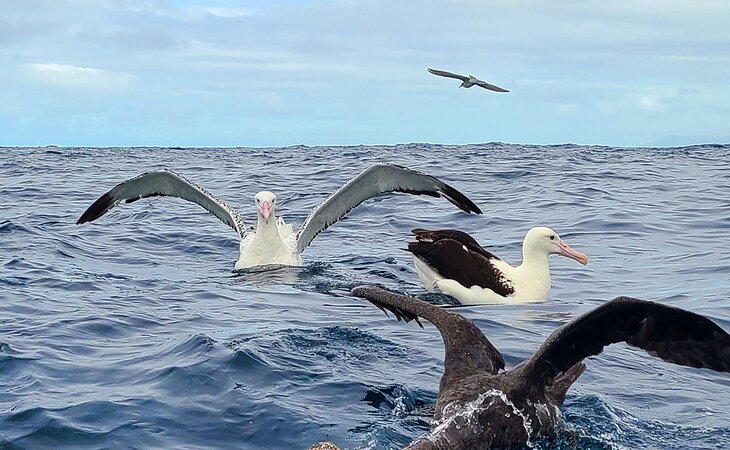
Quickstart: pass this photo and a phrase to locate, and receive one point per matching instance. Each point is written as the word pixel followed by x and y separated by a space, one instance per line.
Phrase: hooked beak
pixel 568 251
pixel 266 211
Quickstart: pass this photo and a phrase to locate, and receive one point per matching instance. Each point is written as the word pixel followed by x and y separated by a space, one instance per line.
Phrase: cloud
pixel 142 37
pixel 649 103
pixel 159 8
pixel 351 71
pixel 227 13
pixel 272 103
pixel 566 108
pixel 67 76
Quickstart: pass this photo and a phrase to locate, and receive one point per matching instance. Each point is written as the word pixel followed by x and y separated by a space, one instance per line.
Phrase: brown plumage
pixel 480 405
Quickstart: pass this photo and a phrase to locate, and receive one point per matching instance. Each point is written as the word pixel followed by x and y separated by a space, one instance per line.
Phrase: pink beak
pixel 568 251
pixel 266 211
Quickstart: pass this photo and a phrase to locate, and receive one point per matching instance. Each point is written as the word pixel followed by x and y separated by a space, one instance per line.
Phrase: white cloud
pixel 644 66
pixel 63 75
pixel 650 103
pixel 272 102
pixel 566 108
pixel 227 13
pixel 155 8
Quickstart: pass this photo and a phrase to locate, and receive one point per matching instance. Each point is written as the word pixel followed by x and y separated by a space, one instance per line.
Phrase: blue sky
pixel 269 73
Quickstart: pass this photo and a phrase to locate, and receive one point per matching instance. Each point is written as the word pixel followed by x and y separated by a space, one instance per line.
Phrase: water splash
pixel 455 411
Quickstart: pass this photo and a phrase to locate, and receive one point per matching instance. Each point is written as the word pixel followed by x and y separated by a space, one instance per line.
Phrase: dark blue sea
pixel 135 331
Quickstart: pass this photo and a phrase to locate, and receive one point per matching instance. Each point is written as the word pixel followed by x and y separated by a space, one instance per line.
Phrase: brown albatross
pixel 481 405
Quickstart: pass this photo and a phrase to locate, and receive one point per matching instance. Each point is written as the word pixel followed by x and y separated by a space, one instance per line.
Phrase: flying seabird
pixel 273 241
pixel 467 82
pixel 453 263
pixel 481 405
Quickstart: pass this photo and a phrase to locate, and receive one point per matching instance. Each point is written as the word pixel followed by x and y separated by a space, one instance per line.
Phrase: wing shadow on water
pixel 316 277
pixel 271 274
pixel 335 278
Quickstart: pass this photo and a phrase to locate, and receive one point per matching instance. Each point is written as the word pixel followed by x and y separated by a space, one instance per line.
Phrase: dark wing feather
pixel 456 255
pixel 491 87
pixel 672 334
pixel 376 180
pixel 457 235
pixel 163 183
pixel 443 73
pixel 467 350
pixel 399 314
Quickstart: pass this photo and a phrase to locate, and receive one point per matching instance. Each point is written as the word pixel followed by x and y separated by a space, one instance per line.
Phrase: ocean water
pixel 135 331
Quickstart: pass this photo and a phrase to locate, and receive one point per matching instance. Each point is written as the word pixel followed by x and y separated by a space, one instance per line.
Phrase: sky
pixel 348 72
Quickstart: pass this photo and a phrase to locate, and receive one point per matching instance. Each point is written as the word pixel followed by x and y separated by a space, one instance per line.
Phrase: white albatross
pixel 453 263
pixel 467 81
pixel 272 241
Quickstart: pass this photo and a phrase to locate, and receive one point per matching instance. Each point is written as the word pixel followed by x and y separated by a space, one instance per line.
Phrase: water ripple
pixel 135 331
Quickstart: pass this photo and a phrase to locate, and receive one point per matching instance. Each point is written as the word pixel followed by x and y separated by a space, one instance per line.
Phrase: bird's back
pixel 482 411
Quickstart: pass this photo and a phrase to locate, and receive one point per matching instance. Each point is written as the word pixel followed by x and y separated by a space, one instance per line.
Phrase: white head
pixel 543 240
pixel 266 205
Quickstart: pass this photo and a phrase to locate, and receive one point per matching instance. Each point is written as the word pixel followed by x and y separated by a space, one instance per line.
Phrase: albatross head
pixel 545 240
pixel 266 205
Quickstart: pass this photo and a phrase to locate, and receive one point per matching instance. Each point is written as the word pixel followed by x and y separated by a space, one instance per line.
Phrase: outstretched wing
pixel 377 179
pixel 163 183
pixel 467 350
pixel 491 87
pixel 669 333
pixel 443 73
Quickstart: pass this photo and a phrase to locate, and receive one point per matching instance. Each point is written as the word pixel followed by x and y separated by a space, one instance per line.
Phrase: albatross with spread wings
pixel 273 241
pixel 467 81
pixel 481 405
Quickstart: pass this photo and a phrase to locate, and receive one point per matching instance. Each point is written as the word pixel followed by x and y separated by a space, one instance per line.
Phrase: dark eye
pixel 552 238
pixel 257 200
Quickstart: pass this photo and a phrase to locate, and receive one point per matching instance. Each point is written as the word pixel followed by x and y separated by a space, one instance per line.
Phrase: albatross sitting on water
pixel 480 405
pixel 273 241
pixel 453 263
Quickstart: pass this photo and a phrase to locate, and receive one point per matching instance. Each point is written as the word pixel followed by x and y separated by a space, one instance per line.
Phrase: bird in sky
pixel 467 81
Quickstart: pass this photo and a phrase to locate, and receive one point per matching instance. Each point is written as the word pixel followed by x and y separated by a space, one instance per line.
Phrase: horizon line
pixel 212 147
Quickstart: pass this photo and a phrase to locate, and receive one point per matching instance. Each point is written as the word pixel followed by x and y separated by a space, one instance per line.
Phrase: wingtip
pixel 88 216
pixel 359 291
pixel 460 200
pixel 97 209
pixel 379 297
pixel 498 89
pixel 413 247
